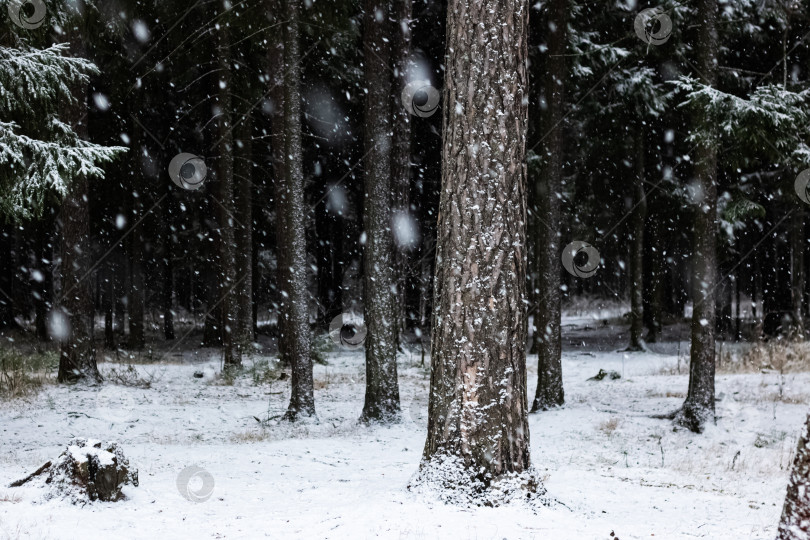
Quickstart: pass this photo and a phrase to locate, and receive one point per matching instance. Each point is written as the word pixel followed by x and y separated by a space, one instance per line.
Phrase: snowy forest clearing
pixel 610 466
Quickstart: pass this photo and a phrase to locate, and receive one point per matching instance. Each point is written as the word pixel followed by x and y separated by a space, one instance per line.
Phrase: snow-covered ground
pixel 610 466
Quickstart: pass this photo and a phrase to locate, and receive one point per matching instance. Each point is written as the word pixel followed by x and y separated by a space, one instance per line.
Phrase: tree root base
pixel 444 478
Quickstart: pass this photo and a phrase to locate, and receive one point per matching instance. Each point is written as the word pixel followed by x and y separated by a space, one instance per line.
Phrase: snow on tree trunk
pixel 477 448
pixel 795 522
pixel 382 389
pixel 698 408
pixel 296 337
pixel 547 188
pixel 77 359
pixel 228 278
pixel 637 250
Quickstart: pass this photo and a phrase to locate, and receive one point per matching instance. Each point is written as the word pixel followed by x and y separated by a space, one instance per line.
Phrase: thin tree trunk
pixel 109 306
pixel 698 408
pixel 296 337
pixel 637 251
pixel 797 270
pixel 243 196
pixel 229 281
pixel 168 263
pixel 275 66
pixel 77 359
pixel 382 389
pixel 547 188
pixel 478 413
pixel 6 280
pixel 43 288
pixel 795 522
pixel 401 149
pixel 136 294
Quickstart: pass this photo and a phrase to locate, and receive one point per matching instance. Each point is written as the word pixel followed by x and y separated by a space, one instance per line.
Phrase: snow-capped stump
pixel 87 470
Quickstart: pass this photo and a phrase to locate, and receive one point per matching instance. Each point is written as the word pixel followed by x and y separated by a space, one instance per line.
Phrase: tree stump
pixel 87 470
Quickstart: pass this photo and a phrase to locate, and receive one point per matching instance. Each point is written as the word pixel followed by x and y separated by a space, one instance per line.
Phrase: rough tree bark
pixel 698 408
pixel 478 412
pixel 795 522
pixel 379 286
pixel 637 250
pixel 77 359
pixel 549 135
pixel 296 338
pixel 229 280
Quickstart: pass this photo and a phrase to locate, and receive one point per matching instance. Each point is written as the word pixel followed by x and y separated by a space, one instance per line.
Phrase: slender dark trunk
pixel 43 287
pixel 382 389
pixel 478 413
pixel 243 196
pixel 549 135
pixel 637 250
pixel 6 280
pixel 136 295
pixel 77 359
pixel 296 337
pixel 109 306
pixel 401 150
pixel 795 522
pixel 229 281
pixel 797 270
pixel 168 263
pixel 698 408
pixel 275 66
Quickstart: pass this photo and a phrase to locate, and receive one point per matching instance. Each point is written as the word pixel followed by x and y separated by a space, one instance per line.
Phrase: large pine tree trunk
pixel 698 408
pixel 228 279
pixel 296 337
pixel 795 522
pixel 547 314
pixel 77 359
pixel 637 251
pixel 478 415
pixel 382 389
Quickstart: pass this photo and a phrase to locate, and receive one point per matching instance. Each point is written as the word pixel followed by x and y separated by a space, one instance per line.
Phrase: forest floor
pixel 610 466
